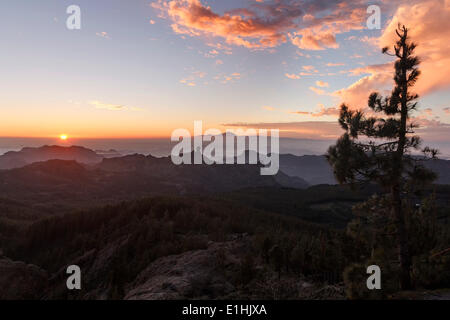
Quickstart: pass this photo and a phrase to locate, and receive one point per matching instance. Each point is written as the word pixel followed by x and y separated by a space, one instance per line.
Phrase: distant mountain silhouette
pixel 17 159
pixel 56 178
pixel 316 169
pixel 111 153
pixel 295 171
pixel 129 177
pixel 441 168
pixel 313 169
pixel 200 177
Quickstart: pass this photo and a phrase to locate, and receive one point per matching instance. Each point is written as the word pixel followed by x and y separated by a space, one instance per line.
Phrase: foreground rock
pixel 19 281
pixel 193 274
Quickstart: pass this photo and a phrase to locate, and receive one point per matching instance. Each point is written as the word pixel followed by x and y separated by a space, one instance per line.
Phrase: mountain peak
pixel 28 155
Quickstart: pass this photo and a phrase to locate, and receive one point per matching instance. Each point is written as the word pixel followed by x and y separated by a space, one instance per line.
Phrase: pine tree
pixel 377 149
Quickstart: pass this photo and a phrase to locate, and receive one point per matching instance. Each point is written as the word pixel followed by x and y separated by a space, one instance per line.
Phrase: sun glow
pixel 63 137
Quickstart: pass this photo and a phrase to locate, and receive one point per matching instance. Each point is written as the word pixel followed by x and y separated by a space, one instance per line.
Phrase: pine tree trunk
pixel 402 233
pixel 402 240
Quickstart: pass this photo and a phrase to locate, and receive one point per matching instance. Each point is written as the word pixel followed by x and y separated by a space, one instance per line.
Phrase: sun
pixel 63 137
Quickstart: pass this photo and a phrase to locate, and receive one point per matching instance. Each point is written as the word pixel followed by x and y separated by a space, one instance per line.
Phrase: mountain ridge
pixel 295 171
pixel 28 155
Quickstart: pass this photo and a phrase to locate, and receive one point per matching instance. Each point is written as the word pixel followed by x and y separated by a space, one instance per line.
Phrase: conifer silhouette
pixel 377 149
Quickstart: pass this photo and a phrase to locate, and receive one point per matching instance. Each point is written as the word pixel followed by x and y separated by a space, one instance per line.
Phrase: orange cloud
pixel 112 107
pixel 429 23
pixel 306 130
pixel 332 111
pixel 356 95
pixel 103 34
pixel 267 24
pixel 428 112
pixel 228 77
pixel 431 130
pixel 191 79
pixel 311 41
pixel 303 113
pixel 318 91
pixel 240 27
pixel 310 68
pixel 292 76
pixel 335 64
pixel 322 84
pixel 321 33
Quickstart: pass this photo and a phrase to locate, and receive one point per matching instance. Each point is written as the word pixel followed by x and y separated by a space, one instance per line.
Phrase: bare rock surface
pixel 193 274
pixel 19 280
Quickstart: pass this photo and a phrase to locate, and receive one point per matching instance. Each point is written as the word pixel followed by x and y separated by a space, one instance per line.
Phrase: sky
pixel 141 69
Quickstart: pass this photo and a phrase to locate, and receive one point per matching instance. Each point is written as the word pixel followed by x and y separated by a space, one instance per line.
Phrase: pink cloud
pixel 103 34
pixel 242 27
pixel 378 78
pixel 332 111
pixel 430 130
pixel 318 91
pixel 191 80
pixel 429 23
pixel 311 41
pixel 428 112
pixel 322 84
pixel 321 32
pixel 292 76
pixel 309 68
pixel 303 113
pixel 306 130
pixel 227 78
pixel 335 64
pixel 308 25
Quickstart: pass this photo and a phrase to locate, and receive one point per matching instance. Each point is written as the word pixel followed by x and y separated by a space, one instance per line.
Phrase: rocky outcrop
pixel 194 274
pixel 19 280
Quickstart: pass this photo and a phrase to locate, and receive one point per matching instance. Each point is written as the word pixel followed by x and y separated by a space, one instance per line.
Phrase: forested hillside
pixel 131 250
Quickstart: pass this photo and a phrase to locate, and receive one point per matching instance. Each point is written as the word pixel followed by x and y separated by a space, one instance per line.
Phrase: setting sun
pixel 63 137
